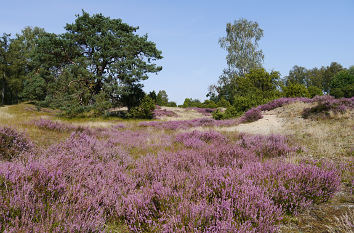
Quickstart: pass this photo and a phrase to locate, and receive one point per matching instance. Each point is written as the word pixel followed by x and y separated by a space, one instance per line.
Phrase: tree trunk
pixel 3 90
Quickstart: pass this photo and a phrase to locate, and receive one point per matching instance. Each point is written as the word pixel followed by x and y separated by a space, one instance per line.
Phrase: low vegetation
pixel 162 176
pixel 78 158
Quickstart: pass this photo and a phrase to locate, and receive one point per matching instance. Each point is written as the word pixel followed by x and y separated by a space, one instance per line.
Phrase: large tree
pixel 96 56
pixel 342 84
pixel 243 55
pixel 241 44
pixel 13 69
pixel 4 65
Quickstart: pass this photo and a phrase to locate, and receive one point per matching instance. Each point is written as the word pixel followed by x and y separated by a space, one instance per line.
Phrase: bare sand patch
pixel 269 124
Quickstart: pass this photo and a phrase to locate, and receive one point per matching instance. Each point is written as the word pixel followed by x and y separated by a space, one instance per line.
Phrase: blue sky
pixel 309 33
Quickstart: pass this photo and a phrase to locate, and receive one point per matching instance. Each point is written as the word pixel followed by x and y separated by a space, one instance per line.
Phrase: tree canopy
pixel 241 44
pixel 96 56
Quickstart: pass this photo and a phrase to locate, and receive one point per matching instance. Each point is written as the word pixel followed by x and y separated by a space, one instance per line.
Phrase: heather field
pixel 181 172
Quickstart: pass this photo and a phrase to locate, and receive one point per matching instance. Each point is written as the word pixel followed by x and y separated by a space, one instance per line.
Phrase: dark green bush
pixel 144 110
pixel 314 91
pixel 218 114
pixel 296 90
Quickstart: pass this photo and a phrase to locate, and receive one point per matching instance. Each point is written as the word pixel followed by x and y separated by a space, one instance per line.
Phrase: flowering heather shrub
pixel 163 112
pixel 281 102
pixel 12 143
pixel 119 126
pixel 89 181
pixel 267 146
pixel 197 139
pixel 255 113
pixel 207 198
pixel 204 111
pixel 185 124
pixel 251 115
pixel 327 104
pixel 53 125
pixel 71 189
pixel 295 187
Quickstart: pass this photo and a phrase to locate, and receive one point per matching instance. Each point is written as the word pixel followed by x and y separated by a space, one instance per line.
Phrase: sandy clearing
pixel 269 124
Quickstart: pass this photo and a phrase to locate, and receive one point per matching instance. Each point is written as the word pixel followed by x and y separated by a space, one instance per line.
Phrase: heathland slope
pixel 286 171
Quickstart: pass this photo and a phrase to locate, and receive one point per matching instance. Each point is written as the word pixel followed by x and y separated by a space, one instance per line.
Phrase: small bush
pixel 251 115
pixel 163 112
pixel 326 105
pixel 314 91
pixel 218 114
pixel 52 125
pixel 144 110
pixel 12 143
pixel 197 139
pixel 296 90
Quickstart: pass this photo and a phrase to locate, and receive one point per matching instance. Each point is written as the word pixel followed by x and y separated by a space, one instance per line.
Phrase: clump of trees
pixel 161 99
pixel 96 64
pixel 245 83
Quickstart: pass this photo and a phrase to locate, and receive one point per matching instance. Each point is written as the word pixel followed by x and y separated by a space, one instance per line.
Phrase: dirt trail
pixel 269 124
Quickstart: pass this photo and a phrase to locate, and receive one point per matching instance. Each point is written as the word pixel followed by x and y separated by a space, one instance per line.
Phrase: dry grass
pixel 183 114
pixel 342 223
pixel 322 138
pixel 329 138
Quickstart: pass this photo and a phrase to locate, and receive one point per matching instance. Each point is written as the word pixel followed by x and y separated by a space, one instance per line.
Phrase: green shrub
pixel 223 103
pixel 314 91
pixel 296 90
pixel 230 112
pixel 218 114
pixel 102 104
pixel 342 84
pixel 144 110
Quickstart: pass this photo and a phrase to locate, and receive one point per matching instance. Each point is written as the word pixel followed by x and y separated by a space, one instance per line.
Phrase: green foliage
pixel 195 103
pixel 102 104
pixel 295 90
pixel 329 74
pixel 144 110
pixel 241 44
pixel 254 88
pixel 298 75
pixel 189 102
pixel 314 91
pixel 35 88
pixel 243 103
pixel 96 55
pixel 223 103
pixel 218 114
pixel 315 77
pixel 153 96
pixel 209 104
pixel 12 69
pixel 162 98
pixel 342 84
pixel 171 104
pixel 230 112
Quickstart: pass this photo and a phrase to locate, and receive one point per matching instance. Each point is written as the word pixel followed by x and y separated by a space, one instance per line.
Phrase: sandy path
pixel 269 124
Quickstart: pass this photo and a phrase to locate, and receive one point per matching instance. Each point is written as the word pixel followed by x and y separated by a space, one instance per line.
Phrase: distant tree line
pixel 95 65
pixel 99 63
pixel 245 83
